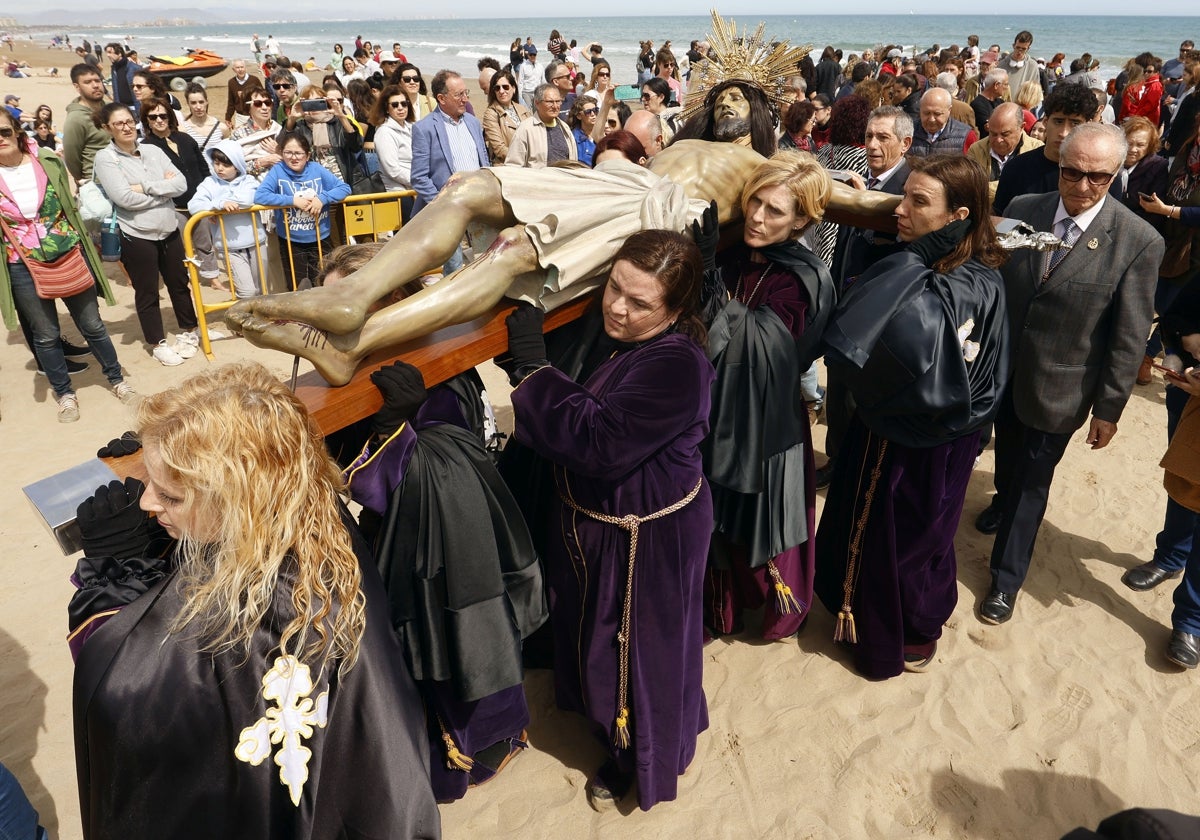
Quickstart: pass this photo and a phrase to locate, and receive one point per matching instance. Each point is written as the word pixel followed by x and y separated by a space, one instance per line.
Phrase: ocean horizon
pixel 457 43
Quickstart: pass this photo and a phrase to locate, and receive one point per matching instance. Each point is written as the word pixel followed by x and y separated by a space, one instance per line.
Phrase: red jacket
pixel 1143 100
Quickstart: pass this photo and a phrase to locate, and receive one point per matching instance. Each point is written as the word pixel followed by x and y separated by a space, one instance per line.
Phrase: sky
pixel 554 8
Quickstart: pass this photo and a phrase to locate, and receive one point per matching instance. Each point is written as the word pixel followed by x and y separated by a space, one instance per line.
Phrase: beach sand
pixel 1065 715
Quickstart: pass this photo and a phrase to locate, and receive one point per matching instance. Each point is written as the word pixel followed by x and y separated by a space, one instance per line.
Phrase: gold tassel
pixel 621 738
pixel 455 760
pixel 844 631
pixel 785 601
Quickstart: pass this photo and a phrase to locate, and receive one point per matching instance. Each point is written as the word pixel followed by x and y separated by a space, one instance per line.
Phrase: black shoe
pixel 74 351
pixel 72 367
pixel 1184 649
pixel 1147 576
pixel 824 476
pixel 997 607
pixel 988 521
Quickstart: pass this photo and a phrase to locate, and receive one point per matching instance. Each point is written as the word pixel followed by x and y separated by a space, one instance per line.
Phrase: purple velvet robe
pixel 627 442
pixel 746 583
pixel 907 583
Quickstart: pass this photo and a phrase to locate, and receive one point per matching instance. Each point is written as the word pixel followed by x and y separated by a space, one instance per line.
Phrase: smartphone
pixel 1168 372
pixel 627 93
pixel 1144 196
pixel 314 105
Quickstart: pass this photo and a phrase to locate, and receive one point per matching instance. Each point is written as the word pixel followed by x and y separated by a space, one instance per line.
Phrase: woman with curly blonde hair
pixel 263 656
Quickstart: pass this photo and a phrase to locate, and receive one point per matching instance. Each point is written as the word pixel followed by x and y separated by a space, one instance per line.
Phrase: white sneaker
pixel 216 335
pixel 165 355
pixel 68 408
pixel 124 392
pixel 186 344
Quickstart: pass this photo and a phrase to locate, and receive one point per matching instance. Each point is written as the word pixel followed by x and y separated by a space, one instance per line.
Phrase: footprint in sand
pixel 1181 728
pixel 1074 700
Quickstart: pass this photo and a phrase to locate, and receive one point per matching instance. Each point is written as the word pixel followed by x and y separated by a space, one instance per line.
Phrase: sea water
pixel 457 44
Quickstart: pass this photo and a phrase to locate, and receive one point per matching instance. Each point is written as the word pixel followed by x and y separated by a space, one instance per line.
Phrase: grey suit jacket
pixel 1079 337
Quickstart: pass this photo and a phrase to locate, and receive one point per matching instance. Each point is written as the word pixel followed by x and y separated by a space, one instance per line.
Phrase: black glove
pixel 113 525
pixel 126 444
pixel 403 390
pixel 938 243
pixel 526 344
pixel 707 233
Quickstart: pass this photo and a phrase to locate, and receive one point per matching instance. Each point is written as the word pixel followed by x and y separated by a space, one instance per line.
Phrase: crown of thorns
pixel 754 60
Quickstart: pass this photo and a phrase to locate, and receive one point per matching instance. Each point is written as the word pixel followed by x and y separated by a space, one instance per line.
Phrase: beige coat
pixel 529 147
pixel 498 129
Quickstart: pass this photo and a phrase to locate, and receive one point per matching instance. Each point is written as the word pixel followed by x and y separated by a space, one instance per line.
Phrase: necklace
pixel 738 292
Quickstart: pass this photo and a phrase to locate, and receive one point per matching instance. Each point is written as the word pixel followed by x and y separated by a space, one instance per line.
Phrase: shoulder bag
pixel 66 276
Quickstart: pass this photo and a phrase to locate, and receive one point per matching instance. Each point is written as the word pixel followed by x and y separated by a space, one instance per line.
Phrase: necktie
pixel 872 182
pixel 1070 235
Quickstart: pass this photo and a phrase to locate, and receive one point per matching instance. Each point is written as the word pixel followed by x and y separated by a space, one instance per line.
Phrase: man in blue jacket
pixel 446 141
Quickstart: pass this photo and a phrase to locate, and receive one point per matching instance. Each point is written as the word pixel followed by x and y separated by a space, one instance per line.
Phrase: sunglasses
pixel 156 117
pixel 136 86
pixel 590 111
pixel 408 80
pixel 399 103
pixel 260 103
pixel 7 133
pixel 604 75
pixel 1096 179
pixel 283 87
pixel 504 87
pixel 563 76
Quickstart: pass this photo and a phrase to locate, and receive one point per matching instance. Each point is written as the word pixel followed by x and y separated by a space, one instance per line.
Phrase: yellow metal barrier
pixel 370 215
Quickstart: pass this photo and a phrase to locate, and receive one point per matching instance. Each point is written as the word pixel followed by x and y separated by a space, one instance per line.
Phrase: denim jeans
pixel 1174 542
pixel 43 321
pixel 18 819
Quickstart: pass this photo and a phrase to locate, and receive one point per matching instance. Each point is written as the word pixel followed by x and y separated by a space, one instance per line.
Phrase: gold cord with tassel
pixel 785 601
pixel 455 760
pixel 630 522
pixel 844 630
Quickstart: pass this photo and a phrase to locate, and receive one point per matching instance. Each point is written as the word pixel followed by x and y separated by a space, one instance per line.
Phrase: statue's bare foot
pixel 334 356
pixel 338 308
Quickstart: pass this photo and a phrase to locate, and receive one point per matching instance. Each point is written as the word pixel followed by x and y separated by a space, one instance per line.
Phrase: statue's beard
pixel 728 130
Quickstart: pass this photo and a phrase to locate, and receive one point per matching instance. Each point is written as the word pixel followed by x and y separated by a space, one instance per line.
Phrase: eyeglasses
pixel 332 99
pixel 1096 179
pixel 283 87
pixel 557 103
pixel 292 153
pixel 260 103
pixel 399 103
pixel 590 111
pixel 123 125
pixel 156 117
pixel 462 94
pixel 504 87
pixel 7 133
pixel 408 80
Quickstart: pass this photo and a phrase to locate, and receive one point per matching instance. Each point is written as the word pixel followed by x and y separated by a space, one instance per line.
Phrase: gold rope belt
pixel 630 522
pixel 844 630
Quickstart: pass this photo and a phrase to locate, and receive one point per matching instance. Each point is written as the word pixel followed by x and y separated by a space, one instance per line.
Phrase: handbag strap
pixel 22 251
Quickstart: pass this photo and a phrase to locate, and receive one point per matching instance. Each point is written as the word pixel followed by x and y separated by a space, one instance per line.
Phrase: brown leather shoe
pixel 1145 374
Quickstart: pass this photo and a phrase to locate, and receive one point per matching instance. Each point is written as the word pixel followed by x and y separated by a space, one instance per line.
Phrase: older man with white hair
pixel 991 91
pixel 1065 368
pixel 959 110
pixel 1005 140
pixel 938 133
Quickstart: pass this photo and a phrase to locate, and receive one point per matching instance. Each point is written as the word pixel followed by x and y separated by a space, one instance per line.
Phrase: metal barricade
pixel 363 217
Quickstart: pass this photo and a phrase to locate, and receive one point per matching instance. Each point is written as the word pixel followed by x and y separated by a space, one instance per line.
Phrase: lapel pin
pixel 1093 244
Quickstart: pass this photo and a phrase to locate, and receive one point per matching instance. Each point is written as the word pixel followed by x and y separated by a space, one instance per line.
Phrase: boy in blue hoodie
pixel 230 188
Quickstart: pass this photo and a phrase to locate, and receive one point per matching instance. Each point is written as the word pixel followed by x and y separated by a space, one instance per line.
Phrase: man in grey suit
pixel 1079 319
pixel 445 141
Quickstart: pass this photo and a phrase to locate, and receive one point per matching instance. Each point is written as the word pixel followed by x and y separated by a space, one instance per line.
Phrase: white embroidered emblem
pixel 970 348
pixel 290 721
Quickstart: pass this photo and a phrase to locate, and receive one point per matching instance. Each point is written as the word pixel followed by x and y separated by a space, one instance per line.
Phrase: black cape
pixel 459 622
pixel 895 340
pixel 157 723
pixel 753 456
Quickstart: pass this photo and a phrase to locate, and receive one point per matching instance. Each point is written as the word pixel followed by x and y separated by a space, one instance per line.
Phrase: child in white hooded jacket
pixel 230 188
